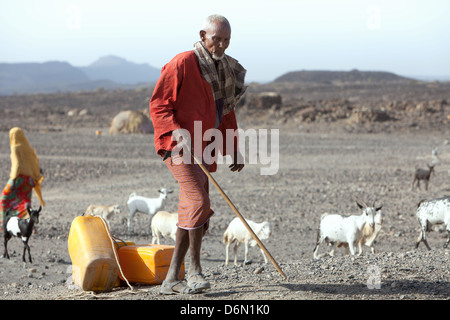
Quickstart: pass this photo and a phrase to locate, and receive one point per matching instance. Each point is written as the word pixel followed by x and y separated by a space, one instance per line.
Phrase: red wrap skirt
pixel 194 209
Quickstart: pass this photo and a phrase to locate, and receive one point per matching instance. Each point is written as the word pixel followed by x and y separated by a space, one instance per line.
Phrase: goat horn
pixel 362 202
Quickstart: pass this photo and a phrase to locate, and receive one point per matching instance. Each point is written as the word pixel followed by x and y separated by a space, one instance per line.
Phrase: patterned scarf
pixel 227 80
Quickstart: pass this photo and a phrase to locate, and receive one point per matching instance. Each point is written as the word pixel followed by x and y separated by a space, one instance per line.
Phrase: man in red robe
pixel 201 86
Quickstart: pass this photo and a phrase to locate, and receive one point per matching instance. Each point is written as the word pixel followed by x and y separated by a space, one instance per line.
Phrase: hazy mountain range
pixel 323 76
pixel 121 71
pixel 110 72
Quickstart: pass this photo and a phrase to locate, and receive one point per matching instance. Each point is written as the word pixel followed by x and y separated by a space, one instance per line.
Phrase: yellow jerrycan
pixel 94 266
pixel 146 263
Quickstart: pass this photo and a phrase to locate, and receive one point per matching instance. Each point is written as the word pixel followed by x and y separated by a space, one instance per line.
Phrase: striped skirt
pixel 16 196
pixel 194 208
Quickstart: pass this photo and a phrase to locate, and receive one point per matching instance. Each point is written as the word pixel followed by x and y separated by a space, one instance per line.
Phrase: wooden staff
pixel 255 237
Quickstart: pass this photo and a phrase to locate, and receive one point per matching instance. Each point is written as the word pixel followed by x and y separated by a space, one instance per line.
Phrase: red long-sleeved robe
pixel 182 96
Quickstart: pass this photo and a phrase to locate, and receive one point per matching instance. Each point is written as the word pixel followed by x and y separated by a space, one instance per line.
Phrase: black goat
pixel 13 226
pixel 422 174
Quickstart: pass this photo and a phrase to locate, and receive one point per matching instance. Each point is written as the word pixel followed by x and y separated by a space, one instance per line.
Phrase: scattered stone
pixel 258 270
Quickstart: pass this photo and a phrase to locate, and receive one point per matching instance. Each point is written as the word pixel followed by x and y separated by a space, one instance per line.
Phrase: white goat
pixel 106 212
pixel 149 206
pixel 335 228
pixel 164 224
pixel 436 211
pixel 368 234
pixel 237 233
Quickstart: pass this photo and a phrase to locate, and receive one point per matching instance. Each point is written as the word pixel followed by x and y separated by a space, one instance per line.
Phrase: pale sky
pixel 269 38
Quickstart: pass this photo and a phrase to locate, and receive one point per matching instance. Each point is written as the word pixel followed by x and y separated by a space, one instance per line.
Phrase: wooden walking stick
pixel 255 237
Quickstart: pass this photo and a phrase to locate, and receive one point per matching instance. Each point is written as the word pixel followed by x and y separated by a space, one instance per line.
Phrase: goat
pixel 431 212
pixel 164 224
pixel 237 233
pixel 368 234
pixel 106 212
pixel 434 157
pixel 335 228
pixel 14 226
pixel 149 206
pixel 422 174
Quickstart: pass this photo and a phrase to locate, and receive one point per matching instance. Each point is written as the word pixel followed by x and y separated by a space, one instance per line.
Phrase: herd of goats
pixel 334 229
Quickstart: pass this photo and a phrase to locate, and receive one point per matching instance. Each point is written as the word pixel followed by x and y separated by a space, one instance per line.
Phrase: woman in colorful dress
pixel 25 175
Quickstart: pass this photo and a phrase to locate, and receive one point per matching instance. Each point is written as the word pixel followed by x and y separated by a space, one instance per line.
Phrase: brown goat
pixel 422 174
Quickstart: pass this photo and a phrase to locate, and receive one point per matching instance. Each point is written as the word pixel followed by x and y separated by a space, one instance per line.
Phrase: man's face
pixel 216 40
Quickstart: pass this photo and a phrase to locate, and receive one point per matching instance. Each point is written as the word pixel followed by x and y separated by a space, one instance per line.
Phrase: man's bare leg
pixel 181 246
pixel 192 240
pixel 195 246
pixel 172 284
pixel 195 278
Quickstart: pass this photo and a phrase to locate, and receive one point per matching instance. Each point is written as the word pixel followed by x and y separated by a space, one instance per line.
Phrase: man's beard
pixel 218 58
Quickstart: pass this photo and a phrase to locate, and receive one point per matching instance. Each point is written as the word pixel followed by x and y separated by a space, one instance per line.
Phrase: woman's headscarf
pixel 24 160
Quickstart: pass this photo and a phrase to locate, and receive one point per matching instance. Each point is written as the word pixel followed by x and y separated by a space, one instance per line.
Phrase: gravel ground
pixel 322 169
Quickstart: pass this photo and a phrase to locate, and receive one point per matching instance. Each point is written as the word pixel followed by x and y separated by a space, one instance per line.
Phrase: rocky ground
pixel 325 163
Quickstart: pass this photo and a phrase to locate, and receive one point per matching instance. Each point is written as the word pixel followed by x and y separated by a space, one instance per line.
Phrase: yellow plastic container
pixel 94 267
pixel 146 263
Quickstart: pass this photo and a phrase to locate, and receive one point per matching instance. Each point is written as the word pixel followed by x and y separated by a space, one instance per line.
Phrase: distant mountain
pixel 342 76
pixel 120 70
pixel 32 77
pixel 107 72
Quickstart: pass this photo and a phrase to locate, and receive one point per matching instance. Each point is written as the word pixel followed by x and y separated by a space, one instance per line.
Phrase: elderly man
pixel 204 85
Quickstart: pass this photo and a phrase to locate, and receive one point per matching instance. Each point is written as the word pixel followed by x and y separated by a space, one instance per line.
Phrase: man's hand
pixel 238 162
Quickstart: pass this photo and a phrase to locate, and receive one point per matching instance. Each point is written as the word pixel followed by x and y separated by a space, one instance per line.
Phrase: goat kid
pixel 335 228
pixel 422 174
pixel 429 213
pixel 368 235
pixel 14 226
pixel 106 212
pixel 164 224
pixel 149 206
pixel 237 233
